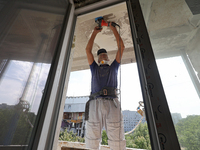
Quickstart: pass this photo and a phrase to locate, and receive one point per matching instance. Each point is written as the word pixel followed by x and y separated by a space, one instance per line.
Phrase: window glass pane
pixel 175 34
pixel 29 35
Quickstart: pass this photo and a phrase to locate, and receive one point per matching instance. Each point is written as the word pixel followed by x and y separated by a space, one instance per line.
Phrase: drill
pixel 100 21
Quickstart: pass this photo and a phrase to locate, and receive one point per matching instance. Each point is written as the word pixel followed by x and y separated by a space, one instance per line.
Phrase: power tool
pixel 101 22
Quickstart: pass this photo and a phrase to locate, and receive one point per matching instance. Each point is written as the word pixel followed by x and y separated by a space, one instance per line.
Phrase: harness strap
pixel 106 91
pixel 87 110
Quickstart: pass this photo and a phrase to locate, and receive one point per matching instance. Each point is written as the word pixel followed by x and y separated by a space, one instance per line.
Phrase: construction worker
pixel 103 108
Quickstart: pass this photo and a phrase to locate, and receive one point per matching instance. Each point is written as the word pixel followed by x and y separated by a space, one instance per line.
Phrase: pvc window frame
pixel 45 135
pixel 100 5
pixel 50 103
pixel 89 9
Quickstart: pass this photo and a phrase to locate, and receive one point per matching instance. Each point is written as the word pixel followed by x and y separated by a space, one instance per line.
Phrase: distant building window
pixel 69 106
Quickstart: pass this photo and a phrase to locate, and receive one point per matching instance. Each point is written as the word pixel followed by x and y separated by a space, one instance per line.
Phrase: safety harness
pixel 108 92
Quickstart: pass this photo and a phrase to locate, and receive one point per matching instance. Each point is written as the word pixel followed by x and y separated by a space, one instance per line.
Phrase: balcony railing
pixel 65 145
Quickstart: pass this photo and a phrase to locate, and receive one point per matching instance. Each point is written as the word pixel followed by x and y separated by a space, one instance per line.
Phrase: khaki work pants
pixel 105 113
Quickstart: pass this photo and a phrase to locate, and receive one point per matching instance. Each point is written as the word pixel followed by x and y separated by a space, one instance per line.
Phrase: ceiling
pixel 170 23
pixel 84 28
pixel 82 3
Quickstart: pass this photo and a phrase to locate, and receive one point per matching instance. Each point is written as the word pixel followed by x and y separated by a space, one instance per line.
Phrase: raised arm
pixel 89 46
pixel 120 44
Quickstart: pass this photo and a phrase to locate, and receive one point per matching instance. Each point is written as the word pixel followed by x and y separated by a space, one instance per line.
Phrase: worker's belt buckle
pixel 105 92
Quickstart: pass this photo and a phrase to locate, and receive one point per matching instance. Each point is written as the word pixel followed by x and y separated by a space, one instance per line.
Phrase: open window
pixel 79 85
pixel 36 61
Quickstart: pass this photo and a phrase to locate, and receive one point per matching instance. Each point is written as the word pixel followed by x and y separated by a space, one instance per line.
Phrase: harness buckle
pixel 105 92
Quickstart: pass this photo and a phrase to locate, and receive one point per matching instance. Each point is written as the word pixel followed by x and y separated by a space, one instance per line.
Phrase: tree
pixel 24 128
pixel 70 136
pixel 16 120
pixel 188 132
pixel 104 138
pixel 6 118
pixel 139 138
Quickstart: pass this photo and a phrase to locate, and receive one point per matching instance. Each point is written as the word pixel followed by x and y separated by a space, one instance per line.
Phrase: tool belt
pixel 104 92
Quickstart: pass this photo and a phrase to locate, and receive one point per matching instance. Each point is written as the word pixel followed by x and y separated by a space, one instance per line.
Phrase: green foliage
pixel 70 136
pixel 24 129
pixel 15 119
pixel 188 132
pixel 6 116
pixel 104 138
pixel 130 141
pixel 139 138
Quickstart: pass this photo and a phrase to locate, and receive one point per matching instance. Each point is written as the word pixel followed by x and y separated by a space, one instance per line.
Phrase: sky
pixel 180 92
pixel 179 89
pixel 13 82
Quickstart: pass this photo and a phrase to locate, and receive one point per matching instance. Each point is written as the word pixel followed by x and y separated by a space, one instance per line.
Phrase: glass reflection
pixel 29 35
pixel 174 33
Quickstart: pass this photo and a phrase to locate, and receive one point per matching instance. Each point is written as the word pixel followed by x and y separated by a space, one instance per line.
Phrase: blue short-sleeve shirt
pixel 103 76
